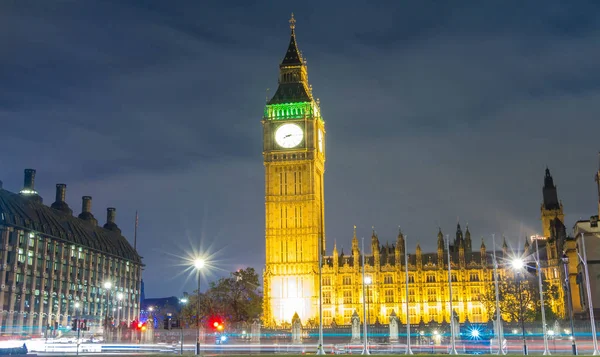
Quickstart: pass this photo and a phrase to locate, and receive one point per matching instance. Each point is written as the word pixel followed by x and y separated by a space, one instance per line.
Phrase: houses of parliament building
pixel 294 151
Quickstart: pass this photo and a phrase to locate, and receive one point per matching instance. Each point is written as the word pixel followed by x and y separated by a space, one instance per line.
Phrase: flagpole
pixel 135 231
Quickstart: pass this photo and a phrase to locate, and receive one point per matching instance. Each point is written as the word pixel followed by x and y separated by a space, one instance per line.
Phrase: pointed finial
pixel 399 230
pixel 292 22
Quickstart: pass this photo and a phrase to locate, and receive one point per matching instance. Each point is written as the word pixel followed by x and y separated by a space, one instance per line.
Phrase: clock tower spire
pixel 294 161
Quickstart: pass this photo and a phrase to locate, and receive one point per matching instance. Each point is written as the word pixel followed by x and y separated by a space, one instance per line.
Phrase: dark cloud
pixel 435 112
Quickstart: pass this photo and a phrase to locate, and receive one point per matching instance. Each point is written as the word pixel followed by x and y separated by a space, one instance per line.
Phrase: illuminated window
pixel 347 280
pixel 474 277
pixel 347 297
pixel 327 297
pixel 389 295
pixel 327 281
pixel 430 278
pixel 388 279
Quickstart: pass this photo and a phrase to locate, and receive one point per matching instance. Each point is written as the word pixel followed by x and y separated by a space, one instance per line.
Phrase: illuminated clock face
pixel 320 140
pixel 289 135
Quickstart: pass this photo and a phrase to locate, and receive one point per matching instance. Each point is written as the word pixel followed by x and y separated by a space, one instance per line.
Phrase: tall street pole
pixel 518 274
pixel 365 341
pixel 538 264
pixel 452 335
pixel 320 350
pixel 589 296
pixel 499 327
pixel 198 264
pixel 565 260
pixel 198 317
pixel 408 349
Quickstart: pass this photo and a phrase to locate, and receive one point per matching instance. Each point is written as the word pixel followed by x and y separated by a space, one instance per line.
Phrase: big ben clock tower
pixel 294 159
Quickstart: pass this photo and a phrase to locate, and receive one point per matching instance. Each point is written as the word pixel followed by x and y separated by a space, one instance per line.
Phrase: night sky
pixel 435 111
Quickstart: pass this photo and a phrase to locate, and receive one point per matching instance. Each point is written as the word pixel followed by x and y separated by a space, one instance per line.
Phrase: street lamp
pixel 78 324
pixel 365 342
pixel 452 331
pixel 182 301
pixel 542 306
pixel 565 260
pixel 119 304
pixel 499 327
pixel 198 264
pixel 583 261
pixel 107 286
pixel 518 265
pixel 408 349
pixel 368 282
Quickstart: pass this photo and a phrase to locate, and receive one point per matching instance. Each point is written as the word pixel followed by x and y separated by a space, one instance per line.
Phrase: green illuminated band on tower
pixel 292 111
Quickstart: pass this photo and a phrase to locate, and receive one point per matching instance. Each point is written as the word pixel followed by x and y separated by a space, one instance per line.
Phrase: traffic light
pixel 74 325
pixel 216 323
pixel 84 325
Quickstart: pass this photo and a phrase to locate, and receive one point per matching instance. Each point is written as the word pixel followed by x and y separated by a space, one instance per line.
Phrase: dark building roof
pixel 31 214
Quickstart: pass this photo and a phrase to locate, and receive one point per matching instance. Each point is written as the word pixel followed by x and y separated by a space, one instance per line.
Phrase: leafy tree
pixel 510 304
pixel 236 299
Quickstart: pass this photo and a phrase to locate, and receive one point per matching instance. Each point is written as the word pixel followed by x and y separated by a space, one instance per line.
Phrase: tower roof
pixel 293 82
pixel 293 57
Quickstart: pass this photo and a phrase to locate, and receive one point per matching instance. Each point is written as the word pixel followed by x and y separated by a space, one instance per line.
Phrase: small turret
pixel 336 257
pixel 399 250
pixel 355 251
pixel 419 257
pixel 504 247
pixel 375 249
pixel 468 247
pixel 483 253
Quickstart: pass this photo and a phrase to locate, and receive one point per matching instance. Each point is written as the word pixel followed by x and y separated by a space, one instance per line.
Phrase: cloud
pixel 434 113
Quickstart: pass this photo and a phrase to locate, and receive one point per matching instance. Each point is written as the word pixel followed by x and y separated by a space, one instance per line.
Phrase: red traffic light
pixel 139 325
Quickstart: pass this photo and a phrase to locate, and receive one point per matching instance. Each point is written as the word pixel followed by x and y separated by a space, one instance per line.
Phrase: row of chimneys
pixel 61 205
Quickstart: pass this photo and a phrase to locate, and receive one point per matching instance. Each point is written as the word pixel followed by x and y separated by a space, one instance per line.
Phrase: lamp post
pixel 518 266
pixel 538 265
pixel 452 335
pixel 107 287
pixel 408 349
pixel 320 350
pixel 365 342
pixel 183 301
pixel 565 260
pixel 499 328
pixel 119 304
pixel 198 264
pixel 583 261
pixel 78 326
pixel 368 281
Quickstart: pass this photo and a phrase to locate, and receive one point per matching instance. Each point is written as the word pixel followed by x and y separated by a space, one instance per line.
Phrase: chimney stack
pixel 29 185
pixel 60 204
pixel 29 181
pixel 111 213
pixel 86 211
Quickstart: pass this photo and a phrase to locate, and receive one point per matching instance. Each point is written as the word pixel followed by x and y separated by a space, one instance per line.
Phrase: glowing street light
pixel 517 264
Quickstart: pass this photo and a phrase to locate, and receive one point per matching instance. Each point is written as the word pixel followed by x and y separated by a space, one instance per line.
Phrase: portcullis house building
pixel 55 266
